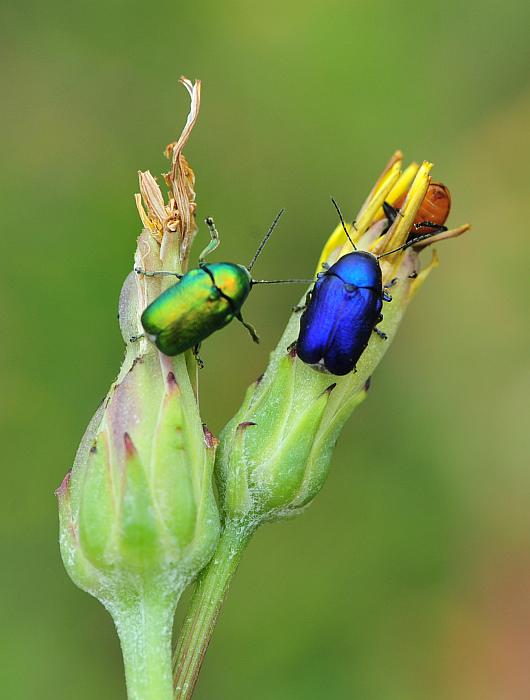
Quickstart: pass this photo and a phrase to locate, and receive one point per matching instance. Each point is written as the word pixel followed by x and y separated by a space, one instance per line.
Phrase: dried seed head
pixel 178 214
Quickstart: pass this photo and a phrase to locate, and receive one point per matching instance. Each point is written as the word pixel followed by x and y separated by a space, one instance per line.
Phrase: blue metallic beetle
pixel 343 309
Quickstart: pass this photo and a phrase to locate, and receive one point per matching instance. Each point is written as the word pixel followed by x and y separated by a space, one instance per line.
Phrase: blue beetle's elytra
pixel 343 309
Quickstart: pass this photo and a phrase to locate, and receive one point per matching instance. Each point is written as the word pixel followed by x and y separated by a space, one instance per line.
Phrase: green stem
pixel 204 609
pixel 145 628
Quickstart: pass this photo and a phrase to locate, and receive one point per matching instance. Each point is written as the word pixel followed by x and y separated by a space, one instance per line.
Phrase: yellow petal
pixel 375 199
pixel 443 236
pixel 401 187
pixel 396 159
pixel 380 193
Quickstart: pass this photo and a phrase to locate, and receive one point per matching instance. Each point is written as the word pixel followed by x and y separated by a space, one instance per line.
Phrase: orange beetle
pixel 433 211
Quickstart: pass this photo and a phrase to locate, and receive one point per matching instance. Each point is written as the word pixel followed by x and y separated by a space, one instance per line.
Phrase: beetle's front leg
pixel 136 338
pixel 302 307
pixel 214 240
pixel 250 329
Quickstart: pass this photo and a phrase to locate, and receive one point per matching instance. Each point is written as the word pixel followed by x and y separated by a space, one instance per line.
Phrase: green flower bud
pixel 138 516
pixel 137 509
pixel 275 453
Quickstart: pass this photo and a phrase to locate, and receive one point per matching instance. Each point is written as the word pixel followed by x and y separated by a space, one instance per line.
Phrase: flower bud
pixel 138 505
pixel 275 452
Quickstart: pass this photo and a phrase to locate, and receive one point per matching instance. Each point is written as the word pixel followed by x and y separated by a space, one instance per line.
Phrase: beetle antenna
pixel 414 241
pixel 282 281
pixel 343 224
pixel 265 239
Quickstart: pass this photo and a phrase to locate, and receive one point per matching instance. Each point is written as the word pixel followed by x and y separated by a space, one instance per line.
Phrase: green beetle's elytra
pixel 203 300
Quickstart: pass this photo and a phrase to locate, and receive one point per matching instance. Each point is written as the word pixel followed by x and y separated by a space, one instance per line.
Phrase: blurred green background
pixel 409 577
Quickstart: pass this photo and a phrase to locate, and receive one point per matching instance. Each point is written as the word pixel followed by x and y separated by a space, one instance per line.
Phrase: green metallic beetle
pixel 203 301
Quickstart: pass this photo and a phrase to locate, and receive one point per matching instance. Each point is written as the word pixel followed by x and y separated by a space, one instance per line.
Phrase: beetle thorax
pixel 360 268
pixel 232 280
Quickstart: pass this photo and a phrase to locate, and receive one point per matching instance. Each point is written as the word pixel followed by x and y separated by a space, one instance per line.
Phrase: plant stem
pixel 204 609
pixel 145 629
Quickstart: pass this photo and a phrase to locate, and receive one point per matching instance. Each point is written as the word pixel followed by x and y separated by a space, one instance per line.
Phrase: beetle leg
pixel 136 338
pixel 380 333
pixel 392 283
pixel 386 296
pixel 250 329
pixel 301 307
pixel 214 242
pixel 390 213
pixel 413 275
pixel 436 228
pixel 195 350
pixel 156 273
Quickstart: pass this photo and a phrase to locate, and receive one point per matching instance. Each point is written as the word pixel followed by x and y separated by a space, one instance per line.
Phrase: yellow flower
pixel 391 185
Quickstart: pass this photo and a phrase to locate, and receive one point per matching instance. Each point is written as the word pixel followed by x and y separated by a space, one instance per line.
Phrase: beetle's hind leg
pixel 380 333
pixel 195 350
pixel 250 328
